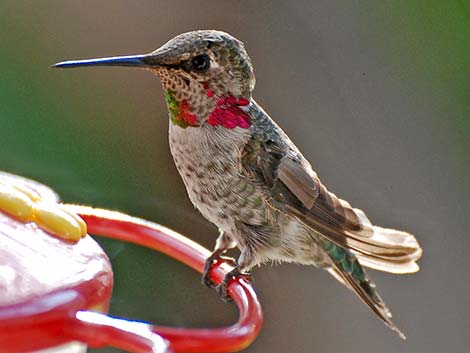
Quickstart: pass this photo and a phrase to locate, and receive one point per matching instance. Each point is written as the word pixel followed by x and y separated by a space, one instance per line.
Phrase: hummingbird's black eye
pixel 200 63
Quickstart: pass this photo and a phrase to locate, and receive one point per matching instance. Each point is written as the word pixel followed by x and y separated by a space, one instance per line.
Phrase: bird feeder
pixel 56 281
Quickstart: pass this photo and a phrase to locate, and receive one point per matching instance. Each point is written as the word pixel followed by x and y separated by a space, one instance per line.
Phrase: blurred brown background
pixel 376 95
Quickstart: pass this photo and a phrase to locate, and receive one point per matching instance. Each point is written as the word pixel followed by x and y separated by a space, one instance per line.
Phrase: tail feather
pixel 347 269
pixel 367 293
pixel 383 249
pixel 389 250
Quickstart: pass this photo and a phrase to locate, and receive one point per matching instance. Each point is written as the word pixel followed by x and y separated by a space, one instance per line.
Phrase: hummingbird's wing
pixel 292 187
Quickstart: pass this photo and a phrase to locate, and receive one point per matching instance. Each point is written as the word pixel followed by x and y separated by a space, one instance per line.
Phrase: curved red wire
pixel 228 339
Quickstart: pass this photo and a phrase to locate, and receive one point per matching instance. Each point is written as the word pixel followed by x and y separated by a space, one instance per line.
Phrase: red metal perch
pixel 228 339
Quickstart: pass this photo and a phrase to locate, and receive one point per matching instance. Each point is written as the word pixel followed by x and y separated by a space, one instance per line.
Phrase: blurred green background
pixel 376 95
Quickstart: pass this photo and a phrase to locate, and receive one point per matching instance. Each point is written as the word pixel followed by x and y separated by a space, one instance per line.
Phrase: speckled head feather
pixel 229 69
pixel 194 61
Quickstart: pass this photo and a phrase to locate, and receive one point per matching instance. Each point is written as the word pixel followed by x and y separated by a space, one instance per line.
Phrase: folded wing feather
pixel 379 248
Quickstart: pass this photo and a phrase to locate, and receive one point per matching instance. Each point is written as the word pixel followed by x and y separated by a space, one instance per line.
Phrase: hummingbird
pixel 245 175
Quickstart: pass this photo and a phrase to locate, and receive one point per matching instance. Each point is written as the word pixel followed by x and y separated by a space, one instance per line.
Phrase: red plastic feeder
pixel 54 293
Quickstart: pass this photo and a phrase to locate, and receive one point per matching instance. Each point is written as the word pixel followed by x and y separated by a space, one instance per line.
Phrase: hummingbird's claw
pixel 206 275
pixel 221 289
pixel 215 257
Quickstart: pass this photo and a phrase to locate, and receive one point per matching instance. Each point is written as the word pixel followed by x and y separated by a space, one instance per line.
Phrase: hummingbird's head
pixel 198 70
pixel 205 58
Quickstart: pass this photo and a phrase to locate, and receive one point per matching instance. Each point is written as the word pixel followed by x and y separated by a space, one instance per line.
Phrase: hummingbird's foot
pixel 215 256
pixel 221 289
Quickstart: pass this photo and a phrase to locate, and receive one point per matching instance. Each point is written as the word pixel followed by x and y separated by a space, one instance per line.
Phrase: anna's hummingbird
pixel 245 175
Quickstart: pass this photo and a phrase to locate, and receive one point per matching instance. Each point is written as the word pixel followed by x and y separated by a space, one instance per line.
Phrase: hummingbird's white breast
pixel 208 160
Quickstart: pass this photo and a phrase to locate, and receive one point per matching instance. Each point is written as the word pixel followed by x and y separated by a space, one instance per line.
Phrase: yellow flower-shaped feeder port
pixel 23 203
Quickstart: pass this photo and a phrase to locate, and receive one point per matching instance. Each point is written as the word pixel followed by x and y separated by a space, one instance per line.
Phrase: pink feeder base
pixel 44 280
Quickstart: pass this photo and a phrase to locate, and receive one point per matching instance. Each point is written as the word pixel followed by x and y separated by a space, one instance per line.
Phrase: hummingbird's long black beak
pixel 143 61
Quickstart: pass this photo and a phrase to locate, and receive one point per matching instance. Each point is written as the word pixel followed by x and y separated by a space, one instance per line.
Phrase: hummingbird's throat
pixel 179 111
pixel 227 112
